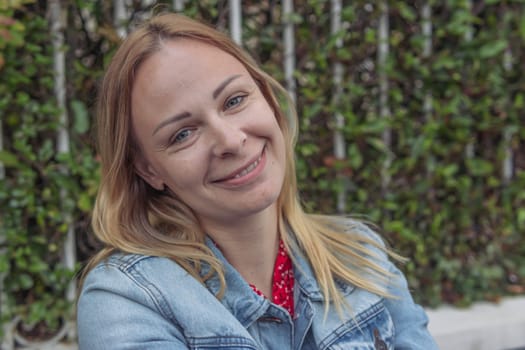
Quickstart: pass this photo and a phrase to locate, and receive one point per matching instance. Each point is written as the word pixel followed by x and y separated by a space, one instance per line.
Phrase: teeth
pixel 248 169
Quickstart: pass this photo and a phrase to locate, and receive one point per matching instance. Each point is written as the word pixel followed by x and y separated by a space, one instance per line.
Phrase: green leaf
pixel 522 29
pixel 26 281
pixel 8 158
pixel 521 216
pixel 449 170
pixel 492 49
pixel 84 202
pixel 81 118
pixel 479 167
pixel 4 264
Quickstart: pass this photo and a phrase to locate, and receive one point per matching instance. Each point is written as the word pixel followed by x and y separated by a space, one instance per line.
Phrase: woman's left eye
pixel 234 101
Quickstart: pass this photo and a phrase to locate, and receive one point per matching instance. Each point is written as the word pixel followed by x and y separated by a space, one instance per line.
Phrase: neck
pixel 250 245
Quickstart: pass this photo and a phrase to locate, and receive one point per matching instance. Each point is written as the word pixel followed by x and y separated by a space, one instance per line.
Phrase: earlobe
pixel 149 174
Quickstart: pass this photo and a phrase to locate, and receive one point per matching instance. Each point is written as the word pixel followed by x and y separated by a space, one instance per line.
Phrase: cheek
pixel 182 174
pixel 268 124
pixel 280 141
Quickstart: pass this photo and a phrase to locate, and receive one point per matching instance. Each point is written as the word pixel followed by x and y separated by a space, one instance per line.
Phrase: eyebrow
pixel 225 83
pixel 185 115
pixel 170 120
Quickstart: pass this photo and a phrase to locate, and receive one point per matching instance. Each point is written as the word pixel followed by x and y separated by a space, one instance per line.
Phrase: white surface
pixel 484 326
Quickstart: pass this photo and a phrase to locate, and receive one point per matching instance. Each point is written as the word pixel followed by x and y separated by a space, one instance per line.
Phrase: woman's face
pixel 207 132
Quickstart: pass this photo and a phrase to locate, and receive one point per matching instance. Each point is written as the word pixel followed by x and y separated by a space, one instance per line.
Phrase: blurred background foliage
pixel 454 200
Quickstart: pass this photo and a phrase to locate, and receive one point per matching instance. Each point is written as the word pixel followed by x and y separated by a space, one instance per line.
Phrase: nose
pixel 228 137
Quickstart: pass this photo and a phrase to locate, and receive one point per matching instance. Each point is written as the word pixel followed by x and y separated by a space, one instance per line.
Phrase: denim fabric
pixel 142 302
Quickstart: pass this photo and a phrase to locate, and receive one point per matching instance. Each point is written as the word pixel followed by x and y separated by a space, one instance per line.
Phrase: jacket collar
pixel 303 274
pixel 239 296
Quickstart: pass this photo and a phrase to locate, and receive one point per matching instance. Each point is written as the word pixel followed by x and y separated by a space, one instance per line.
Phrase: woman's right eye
pixel 181 136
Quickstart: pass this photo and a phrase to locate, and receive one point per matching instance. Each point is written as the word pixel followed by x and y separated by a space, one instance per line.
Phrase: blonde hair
pixel 132 217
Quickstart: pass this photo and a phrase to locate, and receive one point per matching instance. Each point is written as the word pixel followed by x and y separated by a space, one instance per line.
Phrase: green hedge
pixel 447 205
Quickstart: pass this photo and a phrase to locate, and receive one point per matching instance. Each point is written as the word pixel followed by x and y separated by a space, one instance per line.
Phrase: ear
pixel 148 173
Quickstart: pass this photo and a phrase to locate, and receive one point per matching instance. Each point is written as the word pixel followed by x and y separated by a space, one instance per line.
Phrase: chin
pixel 262 203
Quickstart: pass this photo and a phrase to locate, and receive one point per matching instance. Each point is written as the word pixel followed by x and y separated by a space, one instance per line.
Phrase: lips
pixel 249 168
pixel 245 171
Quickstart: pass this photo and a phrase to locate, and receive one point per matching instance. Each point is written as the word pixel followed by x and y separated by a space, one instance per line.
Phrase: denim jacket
pixel 144 302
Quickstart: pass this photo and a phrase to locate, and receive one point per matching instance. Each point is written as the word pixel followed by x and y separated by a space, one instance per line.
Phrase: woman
pixel 207 245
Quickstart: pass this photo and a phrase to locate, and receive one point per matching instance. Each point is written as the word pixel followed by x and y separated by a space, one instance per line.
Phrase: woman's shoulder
pixel 135 276
pixel 148 298
pixel 124 264
pixel 360 230
pixel 359 227
pixel 139 281
pixel 133 267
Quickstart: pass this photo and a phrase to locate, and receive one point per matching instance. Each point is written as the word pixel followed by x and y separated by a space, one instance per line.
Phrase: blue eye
pixel 181 136
pixel 234 101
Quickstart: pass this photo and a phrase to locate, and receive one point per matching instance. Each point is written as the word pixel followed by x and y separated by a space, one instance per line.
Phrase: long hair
pixel 132 217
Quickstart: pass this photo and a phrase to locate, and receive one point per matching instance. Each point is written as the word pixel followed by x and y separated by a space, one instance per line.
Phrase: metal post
pixel 235 21
pixel 384 110
pixel 469 35
pixel 338 137
pixel 58 23
pixel 508 134
pixel 289 48
pixel 178 5
pixel 120 17
pixel 3 296
pixel 2 168
pixel 426 14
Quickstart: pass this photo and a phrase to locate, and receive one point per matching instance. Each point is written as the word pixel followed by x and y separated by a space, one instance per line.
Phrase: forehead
pixel 185 59
pixel 182 75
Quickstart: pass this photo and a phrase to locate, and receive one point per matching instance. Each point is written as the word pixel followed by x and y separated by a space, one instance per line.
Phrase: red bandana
pixel 283 281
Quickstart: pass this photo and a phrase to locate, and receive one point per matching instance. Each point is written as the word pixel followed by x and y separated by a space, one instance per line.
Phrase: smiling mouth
pixel 238 175
pixel 249 168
